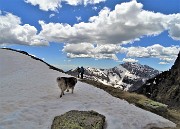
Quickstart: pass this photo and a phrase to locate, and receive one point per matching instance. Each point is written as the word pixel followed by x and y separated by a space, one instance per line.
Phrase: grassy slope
pixel 141 101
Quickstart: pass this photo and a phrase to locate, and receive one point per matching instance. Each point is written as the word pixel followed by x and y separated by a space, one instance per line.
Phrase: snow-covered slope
pixel 29 98
pixel 127 76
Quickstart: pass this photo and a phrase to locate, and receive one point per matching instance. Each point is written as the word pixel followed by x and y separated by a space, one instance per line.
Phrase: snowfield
pixel 29 98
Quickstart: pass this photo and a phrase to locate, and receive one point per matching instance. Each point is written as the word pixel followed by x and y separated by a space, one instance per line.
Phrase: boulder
pixel 79 120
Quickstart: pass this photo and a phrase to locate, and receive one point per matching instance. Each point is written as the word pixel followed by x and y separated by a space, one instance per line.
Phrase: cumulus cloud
pixel 127 23
pixel 129 60
pixel 110 51
pixel 174 30
pixel 46 5
pixel 165 54
pixel 53 5
pixel 12 32
pixel 88 50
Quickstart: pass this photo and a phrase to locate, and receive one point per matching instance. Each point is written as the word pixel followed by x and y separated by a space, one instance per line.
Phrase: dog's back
pixel 69 81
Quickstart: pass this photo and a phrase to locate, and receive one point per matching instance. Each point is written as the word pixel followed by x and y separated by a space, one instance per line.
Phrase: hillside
pixel 127 76
pixel 165 87
pixel 30 98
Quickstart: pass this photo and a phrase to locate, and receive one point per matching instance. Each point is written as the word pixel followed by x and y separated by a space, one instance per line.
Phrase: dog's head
pixel 58 79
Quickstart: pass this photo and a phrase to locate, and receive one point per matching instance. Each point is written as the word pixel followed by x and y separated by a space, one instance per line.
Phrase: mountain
pixel 127 76
pixel 143 71
pixel 29 98
pixel 164 87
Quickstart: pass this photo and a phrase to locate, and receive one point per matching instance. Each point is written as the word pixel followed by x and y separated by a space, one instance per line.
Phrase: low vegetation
pixel 141 101
pixel 79 120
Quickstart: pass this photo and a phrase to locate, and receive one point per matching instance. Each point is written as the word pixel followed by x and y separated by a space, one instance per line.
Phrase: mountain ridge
pixel 127 76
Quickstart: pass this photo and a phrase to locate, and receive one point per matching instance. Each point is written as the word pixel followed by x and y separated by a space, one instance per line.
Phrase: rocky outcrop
pixel 79 120
pixel 165 87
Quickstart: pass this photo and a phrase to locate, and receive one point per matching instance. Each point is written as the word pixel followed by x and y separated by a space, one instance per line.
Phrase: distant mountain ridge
pixel 164 87
pixel 127 76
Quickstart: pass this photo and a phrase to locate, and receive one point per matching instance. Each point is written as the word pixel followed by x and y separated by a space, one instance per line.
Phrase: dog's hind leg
pixel 72 90
pixel 60 95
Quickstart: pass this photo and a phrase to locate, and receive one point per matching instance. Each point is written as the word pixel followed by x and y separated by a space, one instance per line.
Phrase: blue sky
pixel 94 33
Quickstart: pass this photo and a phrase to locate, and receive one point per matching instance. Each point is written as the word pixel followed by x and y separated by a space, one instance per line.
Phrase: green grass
pixel 141 101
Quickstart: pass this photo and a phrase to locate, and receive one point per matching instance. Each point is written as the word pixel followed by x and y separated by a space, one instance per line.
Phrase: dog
pixel 66 83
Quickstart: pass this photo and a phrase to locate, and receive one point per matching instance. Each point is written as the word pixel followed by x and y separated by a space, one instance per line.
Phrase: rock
pixel 79 120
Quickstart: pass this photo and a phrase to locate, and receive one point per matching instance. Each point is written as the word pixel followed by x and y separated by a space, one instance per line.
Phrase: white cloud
pixel 82 48
pixel 93 1
pixel 165 54
pixel 74 2
pixel 51 15
pixel 53 5
pixel 94 8
pixel 126 24
pixel 46 5
pixel 78 19
pixel 87 50
pixel 12 32
pixel 82 2
pixel 129 60
pixel 174 30
pixel 110 51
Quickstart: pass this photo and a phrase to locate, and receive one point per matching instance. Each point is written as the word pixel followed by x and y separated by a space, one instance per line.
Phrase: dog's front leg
pixel 72 90
pixel 62 93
